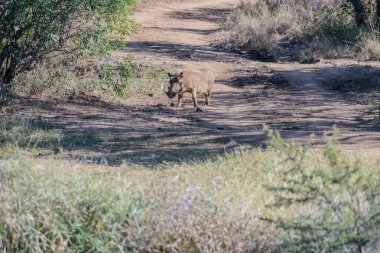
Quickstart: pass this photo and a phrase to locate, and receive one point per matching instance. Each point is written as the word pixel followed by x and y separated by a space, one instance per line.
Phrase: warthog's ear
pixel 180 75
pixel 170 75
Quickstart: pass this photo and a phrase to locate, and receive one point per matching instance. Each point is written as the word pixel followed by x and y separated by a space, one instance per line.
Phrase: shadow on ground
pixel 179 51
pixel 210 15
pixel 97 132
pixel 153 135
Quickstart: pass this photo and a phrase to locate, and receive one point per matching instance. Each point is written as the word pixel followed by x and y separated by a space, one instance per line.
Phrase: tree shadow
pixel 98 131
pixel 210 15
pixel 180 51
pixel 159 134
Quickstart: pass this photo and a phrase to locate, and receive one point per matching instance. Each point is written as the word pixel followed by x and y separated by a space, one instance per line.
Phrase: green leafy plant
pixel 338 206
pixel 33 30
pixel 124 72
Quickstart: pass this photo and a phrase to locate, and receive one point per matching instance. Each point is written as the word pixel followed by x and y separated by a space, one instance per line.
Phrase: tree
pixel 366 10
pixel 33 30
pixel 359 8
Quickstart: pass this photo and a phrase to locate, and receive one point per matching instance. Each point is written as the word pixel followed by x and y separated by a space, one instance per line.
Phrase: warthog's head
pixel 173 87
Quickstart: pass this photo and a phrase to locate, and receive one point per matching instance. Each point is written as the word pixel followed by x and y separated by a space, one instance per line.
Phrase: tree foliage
pixel 31 30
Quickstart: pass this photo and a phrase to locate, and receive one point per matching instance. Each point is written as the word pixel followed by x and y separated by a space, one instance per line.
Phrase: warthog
pixel 191 81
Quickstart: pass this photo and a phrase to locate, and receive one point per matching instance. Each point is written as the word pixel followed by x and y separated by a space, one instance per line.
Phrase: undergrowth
pixel 285 198
pixel 290 30
pixel 106 78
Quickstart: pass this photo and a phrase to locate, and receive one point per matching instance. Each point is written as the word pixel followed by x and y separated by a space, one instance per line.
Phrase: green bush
pixel 123 71
pixel 337 203
pixel 32 30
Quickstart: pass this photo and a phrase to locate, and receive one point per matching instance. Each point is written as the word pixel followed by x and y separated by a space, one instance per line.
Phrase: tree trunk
pixel 10 72
pixel 361 248
pixel 365 11
pixel 359 9
pixel 359 12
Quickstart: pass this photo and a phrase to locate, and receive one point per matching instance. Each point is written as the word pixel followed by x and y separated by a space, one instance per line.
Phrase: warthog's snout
pixel 168 91
pixel 172 89
pixel 171 94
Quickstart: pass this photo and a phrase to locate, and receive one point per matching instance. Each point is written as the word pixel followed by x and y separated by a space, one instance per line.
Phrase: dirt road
pixel 180 34
pixel 152 132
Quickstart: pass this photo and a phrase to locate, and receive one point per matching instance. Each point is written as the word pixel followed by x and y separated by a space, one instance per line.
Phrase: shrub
pixel 370 45
pixel 338 205
pixel 31 30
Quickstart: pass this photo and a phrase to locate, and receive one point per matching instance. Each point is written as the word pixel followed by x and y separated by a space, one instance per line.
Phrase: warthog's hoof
pixel 199 109
pixel 56 151
pixel 172 104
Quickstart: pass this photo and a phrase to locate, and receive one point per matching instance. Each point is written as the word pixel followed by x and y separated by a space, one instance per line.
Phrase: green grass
pixel 213 205
pixel 33 133
pixel 107 78
pixel 101 209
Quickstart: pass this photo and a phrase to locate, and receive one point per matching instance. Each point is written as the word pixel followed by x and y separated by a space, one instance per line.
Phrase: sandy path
pixel 172 32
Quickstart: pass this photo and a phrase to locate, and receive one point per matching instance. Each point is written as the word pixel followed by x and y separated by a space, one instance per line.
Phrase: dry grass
pixel 371 46
pixel 55 205
pixel 66 208
pixel 288 30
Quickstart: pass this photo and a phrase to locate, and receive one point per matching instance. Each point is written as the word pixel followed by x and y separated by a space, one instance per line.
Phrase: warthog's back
pixel 203 79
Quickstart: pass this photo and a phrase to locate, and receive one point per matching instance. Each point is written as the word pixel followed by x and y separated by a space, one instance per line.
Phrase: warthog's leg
pixel 194 94
pixel 208 97
pixel 180 96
